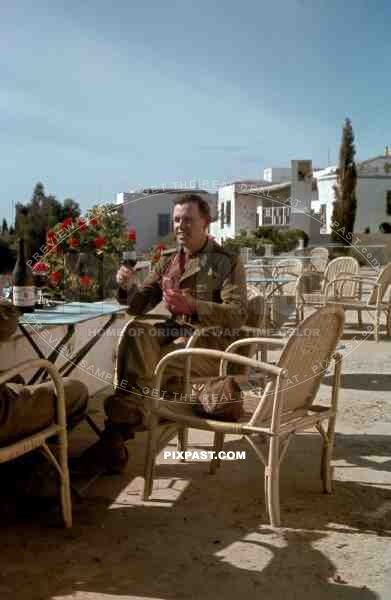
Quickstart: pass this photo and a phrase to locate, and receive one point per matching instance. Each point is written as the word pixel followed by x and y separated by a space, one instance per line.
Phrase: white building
pixel 277 174
pixel 373 193
pixel 281 199
pixel 150 211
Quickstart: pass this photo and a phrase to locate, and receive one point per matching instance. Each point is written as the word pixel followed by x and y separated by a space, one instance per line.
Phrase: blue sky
pixel 98 97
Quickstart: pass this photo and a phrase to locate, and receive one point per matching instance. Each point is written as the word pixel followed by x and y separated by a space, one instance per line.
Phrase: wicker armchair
pixel 288 266
pixel 270 420
pixel 257 324
pixel 285 301
pixel 312 286
pixel 38 439
pixel 379 299
pixel 319 259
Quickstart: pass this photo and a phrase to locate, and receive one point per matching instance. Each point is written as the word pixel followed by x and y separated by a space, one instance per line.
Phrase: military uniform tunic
pixel 217 282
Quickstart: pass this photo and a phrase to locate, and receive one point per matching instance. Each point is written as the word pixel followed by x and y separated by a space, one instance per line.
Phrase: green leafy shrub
pixel 340 251
pixel 282 241
pixel 385 227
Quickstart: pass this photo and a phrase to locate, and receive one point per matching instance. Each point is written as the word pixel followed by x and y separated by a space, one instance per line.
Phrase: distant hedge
pixel 282 240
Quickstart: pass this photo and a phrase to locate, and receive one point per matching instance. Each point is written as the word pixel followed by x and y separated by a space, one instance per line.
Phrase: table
pixel 268 286
pixel 270 261
pixel 68 314
pixel 265 283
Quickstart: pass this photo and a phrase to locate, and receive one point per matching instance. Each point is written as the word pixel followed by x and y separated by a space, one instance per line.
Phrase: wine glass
pixel 169 283
pixel 40 274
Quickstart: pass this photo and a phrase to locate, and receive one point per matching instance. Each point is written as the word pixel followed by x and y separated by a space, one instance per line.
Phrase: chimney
pixel 387 151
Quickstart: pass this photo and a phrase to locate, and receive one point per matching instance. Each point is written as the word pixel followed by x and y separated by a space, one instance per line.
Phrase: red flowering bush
pixel 55 278
pixel 132 235
pixel 85 281
pixel 41 267
pixel 156 252
pixel 102 232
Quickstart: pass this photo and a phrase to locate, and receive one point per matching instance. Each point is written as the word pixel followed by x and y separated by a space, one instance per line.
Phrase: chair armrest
pixel 246 330
pixel 41 363
pixel 198 333
pixel 259 341
pixel 249 331
pixel 362 278
pixel 218 354
pixel 224 357
pixel 353 279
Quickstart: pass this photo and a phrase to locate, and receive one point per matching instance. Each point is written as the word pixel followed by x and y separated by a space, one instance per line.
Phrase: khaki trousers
pixel 25 409
pixel 147 341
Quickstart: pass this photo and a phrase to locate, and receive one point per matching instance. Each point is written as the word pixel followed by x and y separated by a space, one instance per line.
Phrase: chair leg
pixel 377 325
pixel 272 482
pixel 388 322
pixel 183 436
pixel 301 313
pixel 217 447
pixel 327 453
pixel 66 500
pixel 58 457
pixel 150 456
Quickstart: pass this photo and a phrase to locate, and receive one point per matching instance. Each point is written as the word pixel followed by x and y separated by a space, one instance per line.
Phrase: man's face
pixel 190 227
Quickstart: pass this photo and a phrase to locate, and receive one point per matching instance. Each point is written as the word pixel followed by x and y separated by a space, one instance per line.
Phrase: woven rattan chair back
pixel 289 266
pixel 307 354
pixel 383 286
pixel 319 259
pixel 337 267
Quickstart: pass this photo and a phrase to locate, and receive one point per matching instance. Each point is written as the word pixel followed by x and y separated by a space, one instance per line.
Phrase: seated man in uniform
pixel 200 285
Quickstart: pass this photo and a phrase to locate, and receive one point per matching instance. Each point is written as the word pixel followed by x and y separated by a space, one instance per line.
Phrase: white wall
pixel 371 198
pixel 225 194
pixel 371 203
pixel 326 196
pixel 301 195
pixel 277 174
pixel 141 210
pixel 246 212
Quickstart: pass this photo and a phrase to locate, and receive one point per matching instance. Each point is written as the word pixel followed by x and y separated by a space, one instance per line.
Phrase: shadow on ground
pixel 201 536
pixel 363 381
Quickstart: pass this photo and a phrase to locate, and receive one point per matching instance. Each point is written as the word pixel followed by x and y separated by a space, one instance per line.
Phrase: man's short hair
pixel 203 205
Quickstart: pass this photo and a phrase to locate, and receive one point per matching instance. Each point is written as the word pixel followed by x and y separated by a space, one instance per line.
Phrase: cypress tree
pixel 344 211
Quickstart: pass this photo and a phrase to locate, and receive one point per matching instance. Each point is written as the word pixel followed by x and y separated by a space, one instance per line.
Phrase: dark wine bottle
pixel 23 291
pixel 129 259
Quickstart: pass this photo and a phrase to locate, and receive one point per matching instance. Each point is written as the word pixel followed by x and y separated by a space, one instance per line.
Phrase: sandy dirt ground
pixel 206 537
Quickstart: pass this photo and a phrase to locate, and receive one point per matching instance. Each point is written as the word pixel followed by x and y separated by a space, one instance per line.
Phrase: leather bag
pixel 220 398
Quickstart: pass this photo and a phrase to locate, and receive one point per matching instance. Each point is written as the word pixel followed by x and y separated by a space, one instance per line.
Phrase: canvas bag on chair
pixel 220 398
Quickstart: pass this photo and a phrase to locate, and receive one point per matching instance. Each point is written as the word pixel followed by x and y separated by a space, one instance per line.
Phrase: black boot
pixel 108 455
